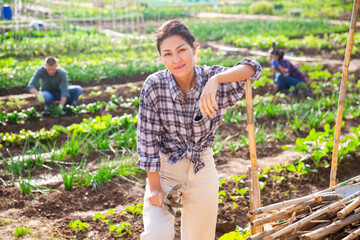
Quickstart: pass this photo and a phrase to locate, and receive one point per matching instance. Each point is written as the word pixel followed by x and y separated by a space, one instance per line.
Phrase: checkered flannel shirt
pixel 292 70
pixel 168 123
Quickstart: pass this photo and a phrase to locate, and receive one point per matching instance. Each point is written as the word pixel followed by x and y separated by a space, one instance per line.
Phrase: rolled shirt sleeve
pixel 230 93
pixel 148 132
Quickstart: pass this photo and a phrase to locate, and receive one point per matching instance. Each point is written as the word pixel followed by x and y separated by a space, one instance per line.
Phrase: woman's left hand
pixel 208 103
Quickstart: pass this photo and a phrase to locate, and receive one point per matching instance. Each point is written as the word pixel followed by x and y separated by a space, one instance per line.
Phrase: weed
pixel 21 231
pixel 5 222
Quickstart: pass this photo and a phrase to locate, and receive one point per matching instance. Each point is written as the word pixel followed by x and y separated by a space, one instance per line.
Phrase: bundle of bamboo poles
pixel 333 212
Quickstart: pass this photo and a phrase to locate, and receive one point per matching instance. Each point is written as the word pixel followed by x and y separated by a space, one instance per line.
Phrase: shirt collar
pixel 174 89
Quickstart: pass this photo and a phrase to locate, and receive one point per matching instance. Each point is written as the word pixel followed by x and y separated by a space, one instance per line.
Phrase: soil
pixel 48 214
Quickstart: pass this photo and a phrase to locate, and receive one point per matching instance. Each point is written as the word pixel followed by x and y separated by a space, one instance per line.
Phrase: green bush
pixel 262 8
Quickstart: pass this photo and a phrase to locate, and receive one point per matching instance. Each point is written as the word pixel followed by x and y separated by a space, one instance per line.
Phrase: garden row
pixel 89 55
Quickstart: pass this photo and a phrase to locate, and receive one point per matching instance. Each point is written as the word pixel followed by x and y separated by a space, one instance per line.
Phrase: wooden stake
pixel 353 235
pixel 349 44
pixel 326 210
pixel 287 203
pixel 348 209
pixel 332 228
pixel 254 188
pixel 283 214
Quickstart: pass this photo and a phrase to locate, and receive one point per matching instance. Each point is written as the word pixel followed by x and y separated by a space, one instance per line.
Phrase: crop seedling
pixel 134 88
pixel 134 210
pixel 218 144
pixel 82 178
pixel 279 134
pixel 237 179
pixel 222 196
pixel 262 184
pixel 15 102
pixel 277 168
pixel 242 141
pixel 105 172
pixel 121 229
pixel 263 173
pixel 25 186
pixel 78 225
pixel 110 90
pixel 96 94
pixel 241 191
pixel 238 234
pixel 68 176
pixel 102 217
pixel 76 143
pixel 278 179
pixel 14 166
pixel 221 182
pixel 21 231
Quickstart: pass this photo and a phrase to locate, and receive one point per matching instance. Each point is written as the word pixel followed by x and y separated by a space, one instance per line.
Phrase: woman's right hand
pixel 157 197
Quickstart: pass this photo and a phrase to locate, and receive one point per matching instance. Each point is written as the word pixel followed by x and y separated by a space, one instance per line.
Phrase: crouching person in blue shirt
pixel 54 87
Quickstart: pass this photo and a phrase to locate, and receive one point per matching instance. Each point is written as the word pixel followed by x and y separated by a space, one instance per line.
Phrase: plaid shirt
pixel 292 70
pixel 168 123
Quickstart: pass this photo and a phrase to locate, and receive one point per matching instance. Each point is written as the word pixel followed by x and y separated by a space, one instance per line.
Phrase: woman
pixel 286 74
pixel 180 109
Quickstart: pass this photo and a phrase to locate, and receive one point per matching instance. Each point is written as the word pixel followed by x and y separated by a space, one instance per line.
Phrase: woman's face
pixel 178 56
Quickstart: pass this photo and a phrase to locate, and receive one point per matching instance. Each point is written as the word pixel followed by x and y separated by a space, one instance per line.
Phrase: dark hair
pixel 51 61
pixel 173 27
pixel 277 52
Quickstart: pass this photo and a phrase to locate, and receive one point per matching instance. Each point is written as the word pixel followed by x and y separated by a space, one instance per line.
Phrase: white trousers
pixel 199 195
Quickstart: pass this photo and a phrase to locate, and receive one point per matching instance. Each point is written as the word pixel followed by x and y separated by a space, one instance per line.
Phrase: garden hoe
pixel 170 199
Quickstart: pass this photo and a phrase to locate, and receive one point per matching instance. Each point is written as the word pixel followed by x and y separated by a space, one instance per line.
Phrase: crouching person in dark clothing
pixel 286 74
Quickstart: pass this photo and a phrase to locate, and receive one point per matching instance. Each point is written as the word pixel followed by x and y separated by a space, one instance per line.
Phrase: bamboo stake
pixel 254 189
pixel 283 214
pixel 357 210
pixel 326 210
pixel 332 228
pixel 353 235
pixel 276 206
pixel 348 209
pixel 349 44
pixel 279 205
pixel 262 235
